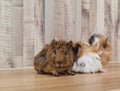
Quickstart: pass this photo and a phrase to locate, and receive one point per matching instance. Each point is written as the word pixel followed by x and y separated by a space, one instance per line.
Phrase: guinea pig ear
pixel 76 48
pixel 105 42
pixel 54 42
pixel 70 44
pixel 93 39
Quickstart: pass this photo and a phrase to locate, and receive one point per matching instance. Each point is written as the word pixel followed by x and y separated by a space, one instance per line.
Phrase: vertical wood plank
pixel 59 20
pixel 17 61
pixel 69 20
pixel 85 20
pixel 6 61
pixel 49 20
pixel 78 18
pixel 100 16
pixel 114 29
pixel 5 34
pixel 17 33
pixel 108 18
pixel 118 36
pixel 28 32
pixel 93 17
pixel 39 36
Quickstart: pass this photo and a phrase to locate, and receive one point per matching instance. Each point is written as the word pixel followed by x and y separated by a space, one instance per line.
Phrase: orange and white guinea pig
pixel 92 57
pixel 88 59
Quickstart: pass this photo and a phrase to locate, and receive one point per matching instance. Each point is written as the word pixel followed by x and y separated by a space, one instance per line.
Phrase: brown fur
pixel 105 46
pixel 40 58
pixel 58 58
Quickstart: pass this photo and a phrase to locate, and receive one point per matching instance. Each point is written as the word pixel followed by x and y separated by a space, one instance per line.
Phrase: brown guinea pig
pixel 104 47
pixel 58 58
pixel 40 58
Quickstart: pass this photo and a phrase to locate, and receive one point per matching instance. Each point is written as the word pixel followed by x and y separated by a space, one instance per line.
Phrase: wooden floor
pixel 28 80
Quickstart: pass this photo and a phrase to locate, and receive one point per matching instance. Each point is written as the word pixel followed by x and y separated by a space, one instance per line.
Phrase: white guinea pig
pixel 88 59
pixel 88 63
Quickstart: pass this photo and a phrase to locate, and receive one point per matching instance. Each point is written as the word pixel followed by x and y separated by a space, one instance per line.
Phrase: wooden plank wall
pixel 5 34
pixel 17 33
pixel 26 25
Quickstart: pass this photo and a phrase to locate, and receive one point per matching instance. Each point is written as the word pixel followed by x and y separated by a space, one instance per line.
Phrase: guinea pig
pixel 104 47
pixel 40 58
pixel 58 58
pixel 88 59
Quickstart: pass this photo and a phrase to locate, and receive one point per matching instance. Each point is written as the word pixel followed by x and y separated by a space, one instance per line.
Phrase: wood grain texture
pixel 108 18
pixel 115 90
pixel 39 32
pixel 85 20
pixel 17 33
pixel 49 20
pixel 58 20
pixel 28 32
pixel 27 25
pixel 69 20
pixel 28 80
pixel 5 34
pixel 114 28
pixel 118 35
pixel 93 17
pixel 17 28
pixel 78 17
pixel 100 17
pixel 17 61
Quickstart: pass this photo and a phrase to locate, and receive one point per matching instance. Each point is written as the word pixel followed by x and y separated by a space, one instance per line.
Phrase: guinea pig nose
pixel 59 62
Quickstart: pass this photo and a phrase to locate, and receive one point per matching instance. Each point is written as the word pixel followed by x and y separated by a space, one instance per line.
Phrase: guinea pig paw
pixel 55 74
pixel 40 72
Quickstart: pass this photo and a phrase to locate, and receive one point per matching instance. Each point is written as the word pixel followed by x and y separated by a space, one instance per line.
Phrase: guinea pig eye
pixel 65 53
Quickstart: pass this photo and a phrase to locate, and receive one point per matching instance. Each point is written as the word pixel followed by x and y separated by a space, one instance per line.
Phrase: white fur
pixel 96 40
pixel 89 63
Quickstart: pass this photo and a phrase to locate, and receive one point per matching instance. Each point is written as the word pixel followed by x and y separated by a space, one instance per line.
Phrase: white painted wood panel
pixel 27 25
